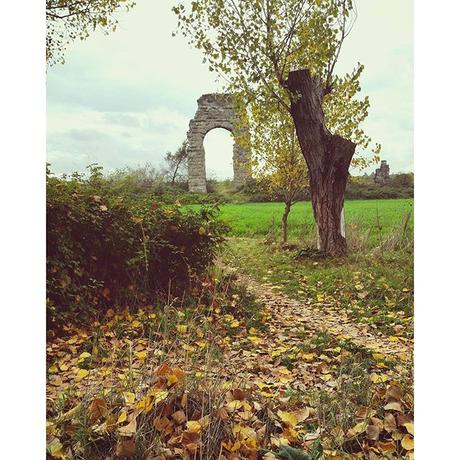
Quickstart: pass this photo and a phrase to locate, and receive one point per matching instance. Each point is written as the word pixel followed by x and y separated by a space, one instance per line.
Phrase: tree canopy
pixel 67 20
pixel 254 44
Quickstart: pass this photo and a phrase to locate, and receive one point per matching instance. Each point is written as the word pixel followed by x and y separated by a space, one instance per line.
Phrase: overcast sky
pixel 126 98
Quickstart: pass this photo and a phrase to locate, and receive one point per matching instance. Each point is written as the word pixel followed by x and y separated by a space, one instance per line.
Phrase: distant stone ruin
pixel 214 111
pixel 382 174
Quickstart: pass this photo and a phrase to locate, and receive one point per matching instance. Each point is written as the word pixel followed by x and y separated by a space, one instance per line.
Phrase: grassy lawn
pixel 361 216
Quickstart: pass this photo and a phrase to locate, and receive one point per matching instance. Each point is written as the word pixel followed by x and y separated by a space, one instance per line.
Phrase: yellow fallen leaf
pixel 193 426
pixel 122 417
pixel 267 394
pixel 285 371
pixel 141 355
pixel 408 442
pixel 188 348
pixel 81 374
pixel 379 378
pixel 129 397
pixel 288 418
pixel 136 323
pixel 158 395
pixel 181 328
pixel 308 356
pixel 234 405
pixel 85 355
pixel 255 340
pixel 53 369
pixel 409 427
pixel 378 356
pixel 357 429
pixel 55 448
pixel 70 412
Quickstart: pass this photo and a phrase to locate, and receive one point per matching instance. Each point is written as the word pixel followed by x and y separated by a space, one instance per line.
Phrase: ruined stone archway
pixel 214 111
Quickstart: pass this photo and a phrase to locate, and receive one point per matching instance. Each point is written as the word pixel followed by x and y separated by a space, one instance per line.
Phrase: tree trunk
pixel 328 158
pixel 284 221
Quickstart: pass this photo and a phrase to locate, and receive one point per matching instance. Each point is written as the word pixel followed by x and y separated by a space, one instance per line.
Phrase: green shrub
pixel 105 249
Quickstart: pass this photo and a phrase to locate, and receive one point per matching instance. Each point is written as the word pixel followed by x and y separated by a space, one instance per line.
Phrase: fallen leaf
pixel 129 429
pixel 409 427
pixel 193 426
pixel 81 374
pixel 408 442
pixel 393 405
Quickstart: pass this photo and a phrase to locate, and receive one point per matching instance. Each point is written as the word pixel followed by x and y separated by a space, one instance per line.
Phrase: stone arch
pixel 214 111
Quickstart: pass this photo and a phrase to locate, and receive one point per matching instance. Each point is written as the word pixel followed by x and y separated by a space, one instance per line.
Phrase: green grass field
pixel 361 216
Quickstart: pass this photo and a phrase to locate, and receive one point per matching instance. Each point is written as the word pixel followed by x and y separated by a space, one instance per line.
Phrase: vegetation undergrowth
pixel 212 381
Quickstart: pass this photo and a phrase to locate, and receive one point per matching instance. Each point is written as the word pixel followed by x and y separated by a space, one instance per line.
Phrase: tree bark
pixel 328 158
pixel 284 221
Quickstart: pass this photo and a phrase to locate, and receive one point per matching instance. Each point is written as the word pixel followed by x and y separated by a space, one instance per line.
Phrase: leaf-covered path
pixel 291 314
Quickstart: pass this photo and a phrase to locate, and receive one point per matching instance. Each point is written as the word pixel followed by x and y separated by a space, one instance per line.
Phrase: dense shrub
pixel 105 248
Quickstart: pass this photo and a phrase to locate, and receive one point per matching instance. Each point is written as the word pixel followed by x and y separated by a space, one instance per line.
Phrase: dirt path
pixel 288 313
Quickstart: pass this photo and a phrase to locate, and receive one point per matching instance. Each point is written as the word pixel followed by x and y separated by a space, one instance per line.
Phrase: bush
pixel 105 249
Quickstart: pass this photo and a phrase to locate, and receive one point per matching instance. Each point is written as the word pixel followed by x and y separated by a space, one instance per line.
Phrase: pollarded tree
pixel 67 20
pixel 281 55
pixel 277 159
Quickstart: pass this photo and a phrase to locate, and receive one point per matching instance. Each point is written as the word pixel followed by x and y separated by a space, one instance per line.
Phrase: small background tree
pixel 278 161
pixel 176 164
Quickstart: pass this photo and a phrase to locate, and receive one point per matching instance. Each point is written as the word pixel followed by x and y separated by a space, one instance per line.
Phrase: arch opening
pixel 218 148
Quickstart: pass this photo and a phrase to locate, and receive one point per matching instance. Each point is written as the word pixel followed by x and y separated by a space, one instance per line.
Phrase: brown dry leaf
pixel 303 414
pixel 189 437
pixel 394 392
pixel 404 418
pixel 365 412
pixel 373 432
pixel 377 422
pixel 389 423
pixel 222 414
pixel 179 417
pixel 97 408
pixel 387 446
pixel 126 447
pixel 163 370
pixel 192 447
pixel 163 425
